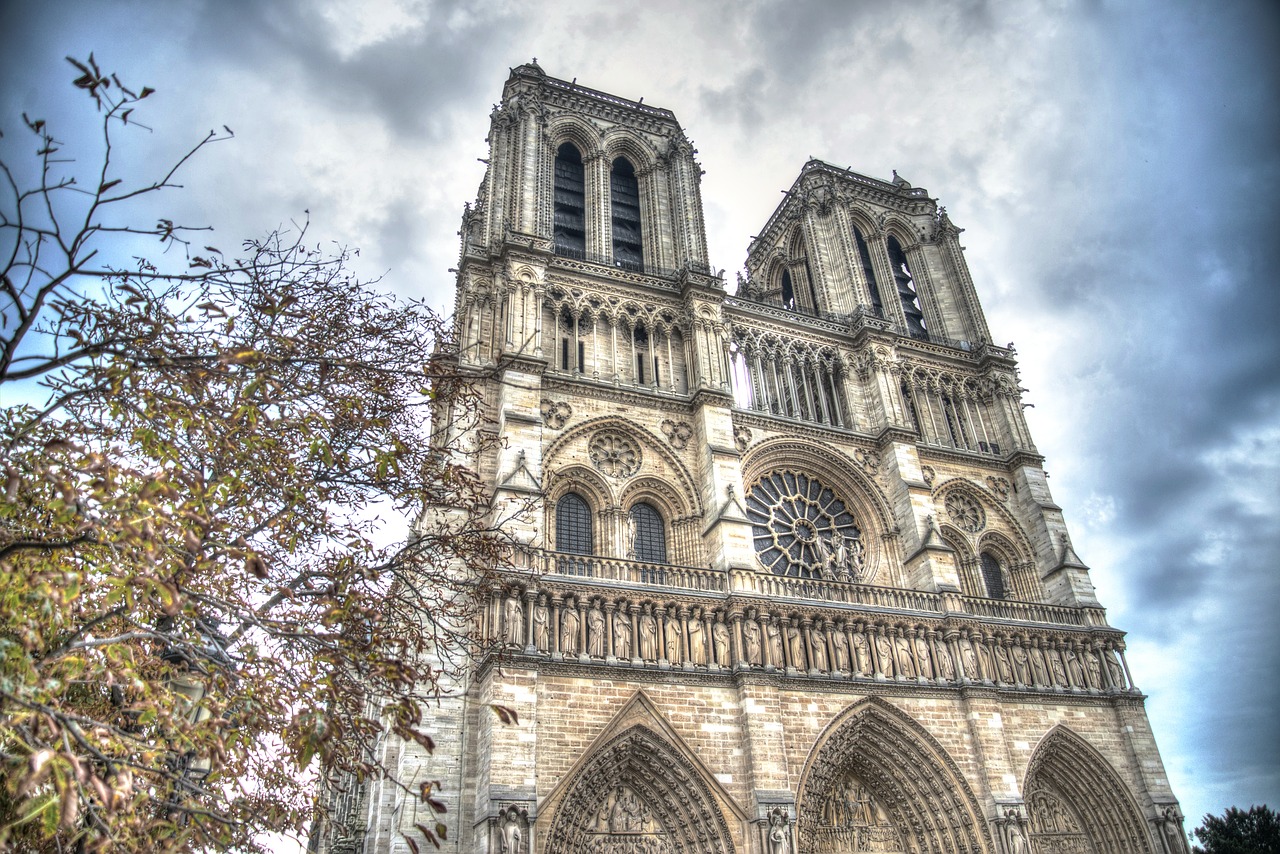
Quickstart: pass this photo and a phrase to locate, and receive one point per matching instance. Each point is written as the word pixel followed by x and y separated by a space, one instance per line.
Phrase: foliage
pixel 193 596
pixel 1237 831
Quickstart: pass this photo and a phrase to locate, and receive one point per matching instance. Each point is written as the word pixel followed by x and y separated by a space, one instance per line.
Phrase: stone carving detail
pixel 742 438
pixel 614 454
pixel 638 795
pixel 1055 827
pixel 867 459
pixel 677 433
pixel 965 512
pixel 928 474
pixel 555 414
pixel 778 832
pixel 1000 487
pixel 513 616
pixel 852 821
pixel 512 830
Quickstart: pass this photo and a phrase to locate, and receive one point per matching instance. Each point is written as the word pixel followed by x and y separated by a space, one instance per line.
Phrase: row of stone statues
pixel 696 636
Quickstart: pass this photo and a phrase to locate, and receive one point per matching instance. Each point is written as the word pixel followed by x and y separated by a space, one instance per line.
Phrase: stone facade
pixel 787 575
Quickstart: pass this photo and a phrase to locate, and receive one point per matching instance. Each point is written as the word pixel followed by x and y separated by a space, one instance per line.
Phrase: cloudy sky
pixel 1115 167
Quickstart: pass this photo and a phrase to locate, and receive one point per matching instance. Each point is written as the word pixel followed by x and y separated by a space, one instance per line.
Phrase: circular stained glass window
pixel 801 527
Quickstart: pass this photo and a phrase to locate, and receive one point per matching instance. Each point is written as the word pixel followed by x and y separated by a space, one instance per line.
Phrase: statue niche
pixel 850 821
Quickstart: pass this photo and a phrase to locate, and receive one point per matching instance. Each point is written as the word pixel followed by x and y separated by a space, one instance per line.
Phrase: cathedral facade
pixel 787 575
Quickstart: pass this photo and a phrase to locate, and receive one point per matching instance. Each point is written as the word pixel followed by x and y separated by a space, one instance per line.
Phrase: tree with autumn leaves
pixel 197 614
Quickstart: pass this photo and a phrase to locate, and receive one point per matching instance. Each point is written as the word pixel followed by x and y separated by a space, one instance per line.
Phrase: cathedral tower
pixel 788 576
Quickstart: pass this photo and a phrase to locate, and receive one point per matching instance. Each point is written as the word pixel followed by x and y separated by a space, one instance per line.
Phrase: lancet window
pixel 906 289
pixel 648 536
pixel 992 576
pixel 573 525
pixel 624 194
pixel 802 383
pixel 569 212
pixel 623 346
pixel 869 273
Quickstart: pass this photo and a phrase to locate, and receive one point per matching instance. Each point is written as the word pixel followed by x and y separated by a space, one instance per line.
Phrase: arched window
pixel 624 195
pixel 869 273
pixel 648 538
pixel 788 292
pixel 573 525
pixel 569 228
pixel 992 577
pixel 906 289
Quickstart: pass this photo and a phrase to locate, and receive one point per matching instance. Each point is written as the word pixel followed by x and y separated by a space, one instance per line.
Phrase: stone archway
pixel 877 781
pixel 639 790
pixel 1077 802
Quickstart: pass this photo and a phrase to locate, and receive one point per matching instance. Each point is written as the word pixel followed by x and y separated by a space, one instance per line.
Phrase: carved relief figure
pixel 510 837
pixel 861 655
pixel 774 634
pixel 778 833
pixel 697 638
pixel 621 634
pixel 922 656
pixel 595 631
pixel 1021 665
pixel 627 815
pixel 1074 671
pixel 969 660
pixel 795 646
pixel 1093 670
pixel 885 653
pixel 751 638
pixel 648 635
pixel 721 634
pixel 840 649
pixel 825 558
pixel 985 661
pixel 1055 664
pixel 515 620
pixel 569 622
pixel 541 619
pixel 946 666
pixel 1039 669
pixel 673 638
pixel 1116 670
pixel 1002 664
pixel 905 665
pixel 818 646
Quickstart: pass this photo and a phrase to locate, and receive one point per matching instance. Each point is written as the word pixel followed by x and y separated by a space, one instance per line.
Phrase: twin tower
pixel 787 573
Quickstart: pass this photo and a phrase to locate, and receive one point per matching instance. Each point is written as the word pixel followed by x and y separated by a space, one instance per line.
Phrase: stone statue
pixel 621 635
pixel 673 639
pixel 1017 838
pixel 751 637
pixel 1021 665
pixel 514 614
pixel 509 835
pixel 818 647
pixel 1116 670
pixel 697 638
pixel 541 619
pixel 925 659
pixel 857 556
pixel 595 632
pixel 569 622
pixel 1074 671
pixel 1039 670
pixel 969 660
pixel 795 646
pixel 1002 664
pixel 721 634
pixel 825 560
pixel 840 558
pixel 840 649
pixel 778 833
pixel 905 666
pixel 631 537
pixel 946 667
pixel 885 650
pixel 1093 670
pixel 861 654
pixel 648 635
pixel 627 814
pixel 1059 675
pixel 986 661
pixel 774 634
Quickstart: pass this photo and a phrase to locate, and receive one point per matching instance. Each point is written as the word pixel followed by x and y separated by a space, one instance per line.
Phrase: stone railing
pixel 595 570
pixel 791 587
pixel 1031 612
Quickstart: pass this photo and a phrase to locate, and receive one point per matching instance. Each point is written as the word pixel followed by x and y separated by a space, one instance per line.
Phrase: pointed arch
pixel 639 781
pixel 909 778
pixel 1073 792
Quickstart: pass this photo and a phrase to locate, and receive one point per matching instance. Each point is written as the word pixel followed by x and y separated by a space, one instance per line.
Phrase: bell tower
pixel 786 574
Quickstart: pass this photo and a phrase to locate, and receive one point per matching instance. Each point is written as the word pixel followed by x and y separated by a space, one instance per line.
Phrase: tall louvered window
pixel 648 538
pixel 992 576
pixel 869 273
pixel 573 525
pixel 570 205
pixel 624 192
pixel 788 292
pixel 906 289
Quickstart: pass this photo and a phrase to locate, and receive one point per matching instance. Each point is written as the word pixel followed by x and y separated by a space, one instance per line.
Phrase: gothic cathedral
pixel 787 575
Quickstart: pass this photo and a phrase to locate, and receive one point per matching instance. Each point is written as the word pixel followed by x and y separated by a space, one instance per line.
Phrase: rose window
pixel 614 454
pixel 801 527
pixel 965 512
